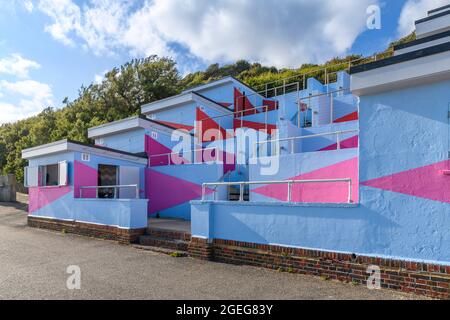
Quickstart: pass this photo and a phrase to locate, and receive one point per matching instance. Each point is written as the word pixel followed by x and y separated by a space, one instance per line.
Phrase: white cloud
pixel 98 78
pixel 17 66
pixel 28 5
pixel 282 33
pixel 31 98
pixel 414 10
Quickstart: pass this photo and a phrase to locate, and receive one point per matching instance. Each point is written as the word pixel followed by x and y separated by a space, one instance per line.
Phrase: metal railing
pixel 168 156
pixel 326 74
pixel 289 183
pixel 115 189
pixel 318 135
pixel 325 100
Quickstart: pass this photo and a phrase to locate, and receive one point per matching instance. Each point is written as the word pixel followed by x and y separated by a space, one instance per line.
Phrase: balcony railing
pixel 112 192
pixel 292 140
pixel 289 183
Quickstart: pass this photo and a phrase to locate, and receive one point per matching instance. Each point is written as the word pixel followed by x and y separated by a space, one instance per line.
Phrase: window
pixel 155 135
pixel 47 175
pixel 86 157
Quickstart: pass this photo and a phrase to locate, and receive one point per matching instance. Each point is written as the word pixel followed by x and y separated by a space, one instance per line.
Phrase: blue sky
pixel 49 48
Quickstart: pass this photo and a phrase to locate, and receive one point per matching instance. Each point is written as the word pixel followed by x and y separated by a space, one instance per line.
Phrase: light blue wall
pixel 123 213
pixel 400 130
pixel 131 141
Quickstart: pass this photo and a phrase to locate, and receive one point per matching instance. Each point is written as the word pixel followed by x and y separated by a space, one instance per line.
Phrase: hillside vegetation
pixel 122 93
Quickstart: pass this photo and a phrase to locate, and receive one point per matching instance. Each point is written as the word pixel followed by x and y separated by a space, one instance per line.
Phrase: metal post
pixel 292 146
pixel 115 192
pixel 241 192
pixel 203 192
pixel 137 192
pixel 338 140
pixel 266 119
pixel 289 191
pixel 331 108
pixel 350 192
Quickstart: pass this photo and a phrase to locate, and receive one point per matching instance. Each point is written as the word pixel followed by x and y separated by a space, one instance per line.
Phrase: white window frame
pixel 39 174
pixel 85 157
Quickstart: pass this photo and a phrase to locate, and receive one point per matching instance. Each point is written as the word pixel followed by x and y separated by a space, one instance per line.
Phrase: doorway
pixel 108 175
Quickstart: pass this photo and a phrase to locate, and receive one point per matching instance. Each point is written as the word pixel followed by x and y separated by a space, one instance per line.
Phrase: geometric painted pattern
pixel 428 182
pixel 164 191
pixel 331 192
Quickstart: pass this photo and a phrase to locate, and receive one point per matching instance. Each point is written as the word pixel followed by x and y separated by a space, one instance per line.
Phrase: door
pixel 107 176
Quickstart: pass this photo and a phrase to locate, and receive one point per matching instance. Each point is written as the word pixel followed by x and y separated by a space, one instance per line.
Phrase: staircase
pixel 171 242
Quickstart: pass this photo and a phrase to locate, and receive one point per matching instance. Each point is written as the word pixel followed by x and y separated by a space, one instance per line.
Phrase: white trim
pixel 424 70
pixel 210 85
pixel 66 146
pixel 433 26
pixel 181 99
pixel 126 125
pixel 422 46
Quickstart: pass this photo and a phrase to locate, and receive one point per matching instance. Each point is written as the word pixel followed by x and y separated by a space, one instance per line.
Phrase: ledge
pixel 277 204
pixel 109 200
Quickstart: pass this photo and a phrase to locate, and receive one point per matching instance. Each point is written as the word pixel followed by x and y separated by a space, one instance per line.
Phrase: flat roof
pixel 185 97
pixel 401 58
pixel 422 40
pixel 439 9
pixel 128 124
pixel 435 16
pixel 67 145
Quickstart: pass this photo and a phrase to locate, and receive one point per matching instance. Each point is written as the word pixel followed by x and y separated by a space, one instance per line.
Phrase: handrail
pixel 242 184
pixel 348 65
pixel 325 134
pixel 115 187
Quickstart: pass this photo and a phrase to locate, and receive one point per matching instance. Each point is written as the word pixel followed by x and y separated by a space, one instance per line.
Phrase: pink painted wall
pixel 330 192
pixel 84 175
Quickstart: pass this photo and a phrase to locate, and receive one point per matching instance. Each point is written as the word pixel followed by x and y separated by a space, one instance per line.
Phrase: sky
pixel 50 48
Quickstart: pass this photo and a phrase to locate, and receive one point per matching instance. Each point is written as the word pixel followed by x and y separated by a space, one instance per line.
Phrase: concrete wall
pixel 63 203
pixel 404 207
pixel 8 188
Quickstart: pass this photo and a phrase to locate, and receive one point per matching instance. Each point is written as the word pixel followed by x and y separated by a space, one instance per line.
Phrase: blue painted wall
pixel 400 130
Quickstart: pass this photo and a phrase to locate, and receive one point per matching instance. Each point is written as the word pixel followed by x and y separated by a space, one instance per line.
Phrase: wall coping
pixel 276 204
pixel 109 200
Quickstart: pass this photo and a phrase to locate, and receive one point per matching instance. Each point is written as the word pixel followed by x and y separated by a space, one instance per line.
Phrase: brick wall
pixel 413 277
pixel 87 229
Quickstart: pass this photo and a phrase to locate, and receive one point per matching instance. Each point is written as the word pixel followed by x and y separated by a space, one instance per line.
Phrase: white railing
pixel 292 139
pixel 115 188
pixel 324 102
pixel 289 183
pixel 180 155
pixel 328 73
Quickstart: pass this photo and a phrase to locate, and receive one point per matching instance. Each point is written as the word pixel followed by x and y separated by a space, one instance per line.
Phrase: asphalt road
pixel 33 265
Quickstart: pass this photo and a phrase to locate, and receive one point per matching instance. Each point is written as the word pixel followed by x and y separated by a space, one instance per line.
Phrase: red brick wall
pixel 87 229
pixel 419 278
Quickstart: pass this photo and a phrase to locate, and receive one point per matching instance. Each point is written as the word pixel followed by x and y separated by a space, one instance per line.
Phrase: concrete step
pixel 169 252
pixel 172 244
